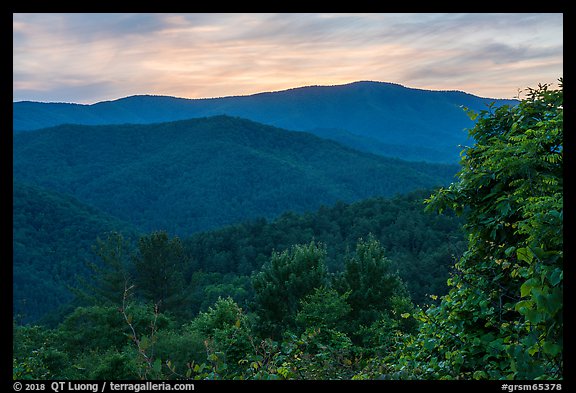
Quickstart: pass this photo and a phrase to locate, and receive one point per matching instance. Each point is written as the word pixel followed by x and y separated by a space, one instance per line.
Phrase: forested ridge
pixel 53 237
pixel 219 262
pixel 179 177
pixel 377 117
pixel 200 174
pixel 339 293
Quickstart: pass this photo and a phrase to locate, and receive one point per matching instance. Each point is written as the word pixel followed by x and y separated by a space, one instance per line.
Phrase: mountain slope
pixel 386 112
pixel 198 174
pixel 53 235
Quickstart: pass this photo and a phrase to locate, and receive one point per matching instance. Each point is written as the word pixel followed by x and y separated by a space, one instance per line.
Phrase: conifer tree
pixel 159 264
pixel 284 281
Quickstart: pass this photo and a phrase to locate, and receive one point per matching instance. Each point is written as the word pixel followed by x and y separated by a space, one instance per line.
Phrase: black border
pixel 202 386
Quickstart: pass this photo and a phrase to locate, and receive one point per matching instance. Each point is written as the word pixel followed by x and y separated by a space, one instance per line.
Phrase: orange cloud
pixel 206 55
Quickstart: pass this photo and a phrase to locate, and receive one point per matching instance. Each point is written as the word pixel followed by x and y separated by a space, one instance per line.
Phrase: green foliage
pixel 371 283
pixel 421 246
pixel 287 299
pixel 110 274
pixel 205 288
pixel 380 337
pixel 182 347
pixel 325 308
pixel 129 338
pixel 284 281
pixel 227 332
pixel 110 365
pixel 104 327
pixel 503 315
pixel 159 264
pixel 97 325
pixel 31 348
pixel 135 341
pixel 224 314
pixel 30 368
pixel 192 175
pixel 53 235
pixel 318 354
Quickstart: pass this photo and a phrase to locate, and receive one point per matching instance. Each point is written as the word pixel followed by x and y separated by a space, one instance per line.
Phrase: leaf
pixel 509 251
pixel 504 208
pixel 527 287
pixel 523 306
pixel 429 344
pixel 472 115
pixel 533 316
pixel 405 315
pixel 556 276
pixel 551 348
pixel 157 366
pixel 524 254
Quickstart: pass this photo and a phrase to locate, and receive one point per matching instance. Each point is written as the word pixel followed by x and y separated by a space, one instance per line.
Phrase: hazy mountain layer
pixel 407 123
pixel 199 174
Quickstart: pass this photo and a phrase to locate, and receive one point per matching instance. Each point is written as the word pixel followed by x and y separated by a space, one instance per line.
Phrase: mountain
pixel 408 123
pixel 192 175
pixel 375 146
pixel 52 238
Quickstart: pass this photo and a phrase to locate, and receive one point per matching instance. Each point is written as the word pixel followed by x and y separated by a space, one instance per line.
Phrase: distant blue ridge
pixel 376 117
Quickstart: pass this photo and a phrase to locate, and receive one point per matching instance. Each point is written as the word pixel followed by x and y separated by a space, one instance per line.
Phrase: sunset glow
pixel 87 58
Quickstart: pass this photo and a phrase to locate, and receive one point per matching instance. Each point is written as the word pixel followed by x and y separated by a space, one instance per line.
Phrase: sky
pixel 87 58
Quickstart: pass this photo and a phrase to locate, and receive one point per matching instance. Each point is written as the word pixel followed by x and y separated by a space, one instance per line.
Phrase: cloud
pixel 202 55
pixel 501 53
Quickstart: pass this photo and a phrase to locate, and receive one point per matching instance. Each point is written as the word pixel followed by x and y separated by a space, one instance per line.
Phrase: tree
pixel 109 276
pixel 159 264
pixel 288 277
pixel 371 283
pixel 503 315
pixel 227 334
pixel 324 308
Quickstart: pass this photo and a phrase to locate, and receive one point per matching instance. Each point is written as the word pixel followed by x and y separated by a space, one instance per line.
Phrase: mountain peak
pixel 388 117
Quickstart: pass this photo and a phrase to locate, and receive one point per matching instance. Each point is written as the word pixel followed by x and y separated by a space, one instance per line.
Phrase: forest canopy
pixel 329 295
